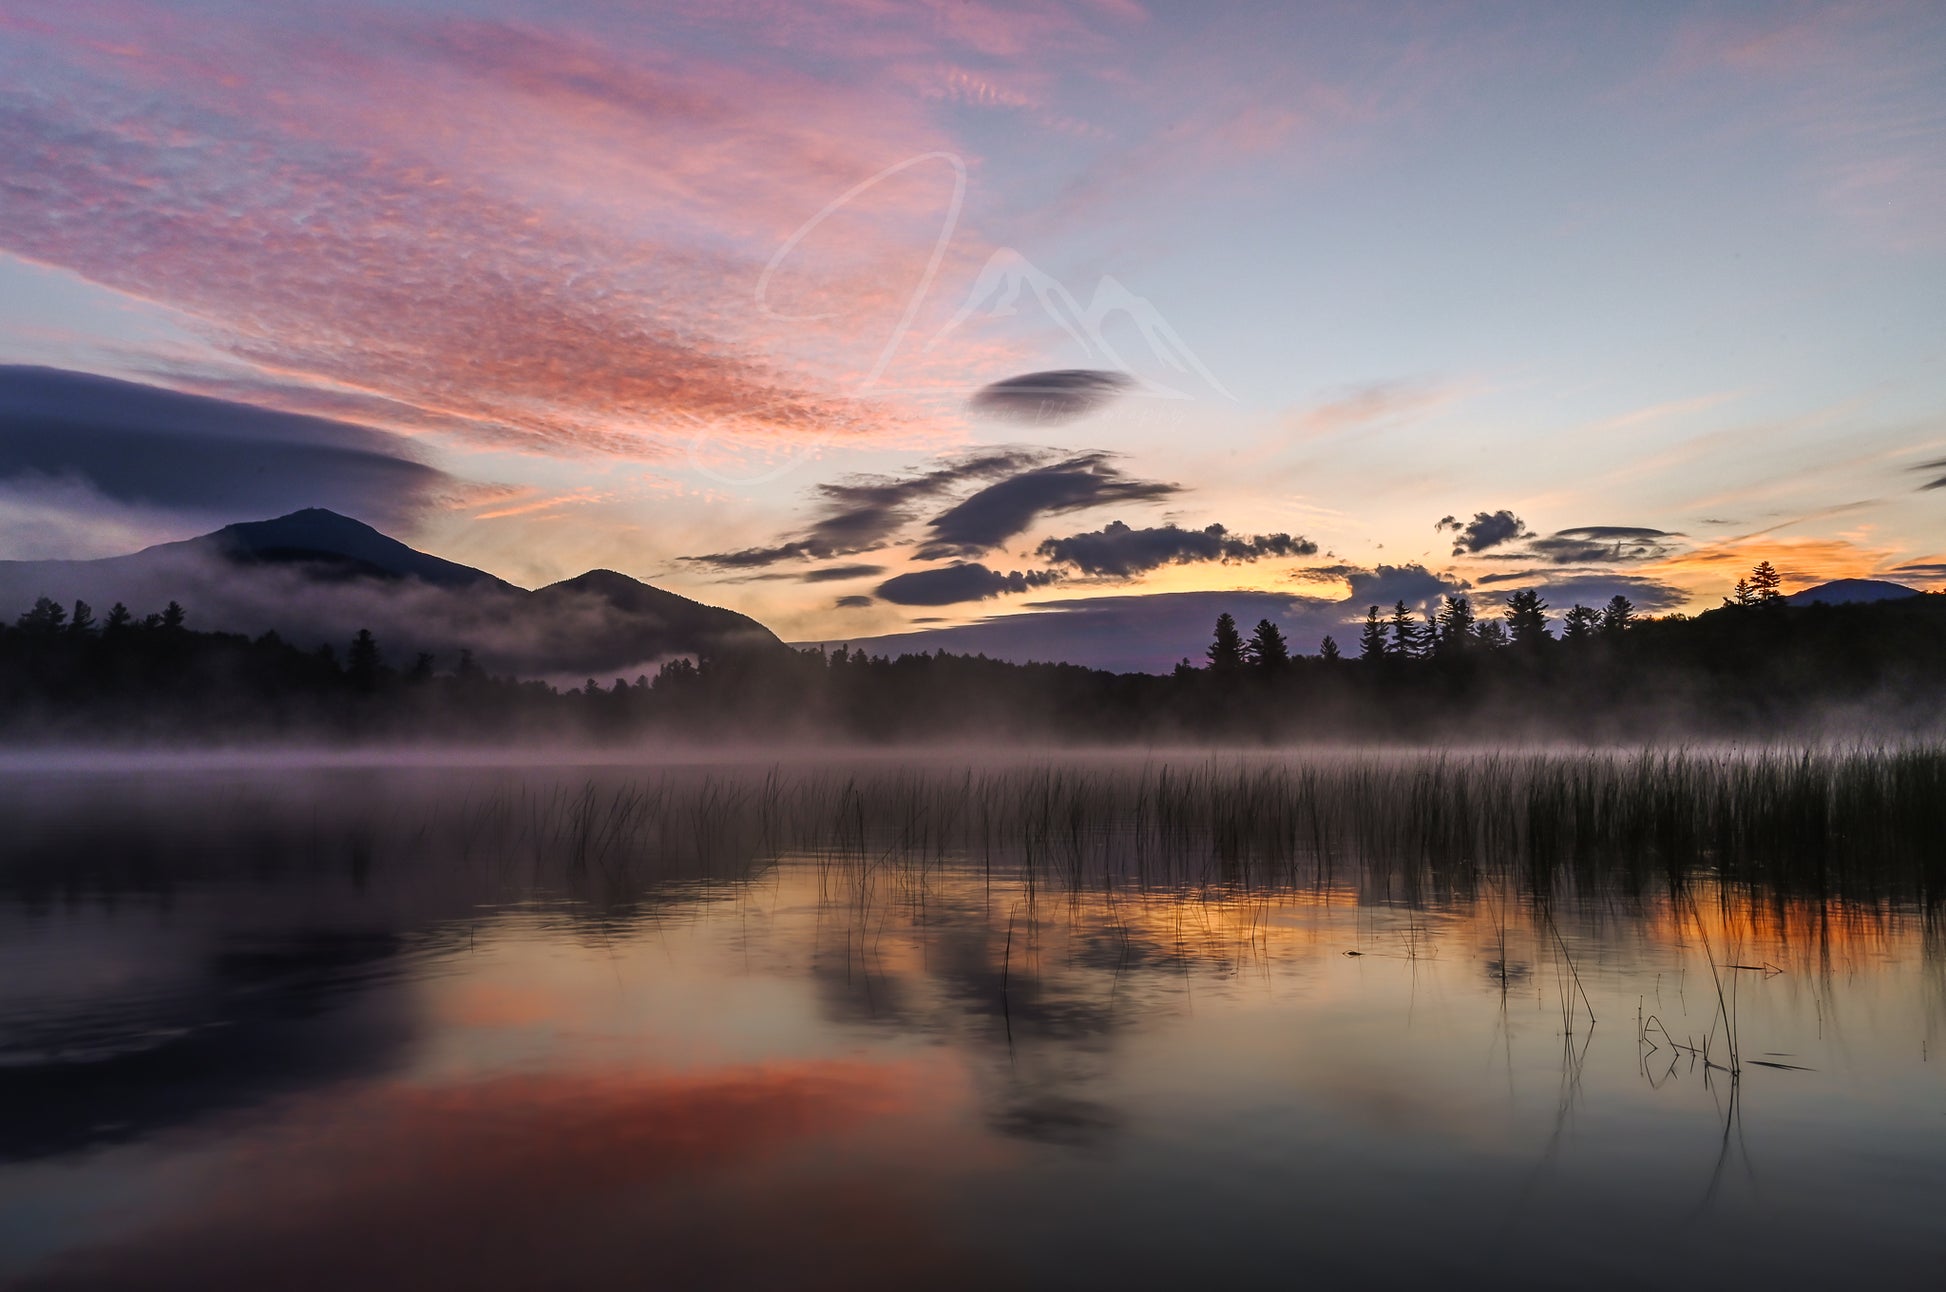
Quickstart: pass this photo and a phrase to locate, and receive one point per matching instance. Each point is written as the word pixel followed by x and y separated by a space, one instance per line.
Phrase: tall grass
pixel 1866 824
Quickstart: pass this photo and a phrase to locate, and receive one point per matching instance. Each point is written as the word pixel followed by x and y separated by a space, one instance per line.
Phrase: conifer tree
pixel 45 618
pixel 361 663
pixel 1526 617
pixel 1406 641
pixel 1766 584
pixel 1268 651
pixel 1226 649
pixel 1453 630
pixel 1619 617
pixel 1371 639
pixel 1328 648
pixel 1579 623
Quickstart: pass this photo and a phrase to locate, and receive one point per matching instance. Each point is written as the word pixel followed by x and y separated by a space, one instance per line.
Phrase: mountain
pixel 342 545
pixel 316 577
pixel 1844 592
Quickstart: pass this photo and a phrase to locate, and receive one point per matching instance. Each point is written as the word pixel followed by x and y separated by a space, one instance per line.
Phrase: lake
pixel 1595 1019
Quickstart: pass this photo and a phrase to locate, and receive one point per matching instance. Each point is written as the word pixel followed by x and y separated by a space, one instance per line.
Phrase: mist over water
pixel 878 1021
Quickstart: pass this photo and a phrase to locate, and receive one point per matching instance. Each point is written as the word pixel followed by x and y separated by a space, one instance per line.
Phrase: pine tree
pixel 1371 639
pixel 46 617
pixel 1268 651
pixel 1405 633
pixel 1526 617
pixel 1226 650
pixel 1491 634
pixel 1766 584
pixel 1742 595
pixel 172 617
pixel 118 618
pixel 82 622
pixel 361 663
pixel 1453 630
pixel 1579 623
pixel 1328 649
pixel 1619 617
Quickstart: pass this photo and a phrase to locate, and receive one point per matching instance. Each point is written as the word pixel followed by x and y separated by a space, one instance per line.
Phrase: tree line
pixel 1754 666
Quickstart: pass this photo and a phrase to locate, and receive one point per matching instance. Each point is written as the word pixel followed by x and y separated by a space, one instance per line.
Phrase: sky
pixel 1043 329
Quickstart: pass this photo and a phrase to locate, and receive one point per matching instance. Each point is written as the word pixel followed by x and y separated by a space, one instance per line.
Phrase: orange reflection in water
pixel 814 1174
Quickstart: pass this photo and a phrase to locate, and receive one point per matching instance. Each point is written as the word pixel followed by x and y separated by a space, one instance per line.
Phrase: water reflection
pixel 490 1030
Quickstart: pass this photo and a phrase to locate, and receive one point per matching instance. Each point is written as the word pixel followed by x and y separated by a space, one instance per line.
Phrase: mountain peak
pixel 317 536
pixel 1842 592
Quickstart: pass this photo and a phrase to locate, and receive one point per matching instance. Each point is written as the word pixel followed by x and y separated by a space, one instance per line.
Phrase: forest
pixel 1754 667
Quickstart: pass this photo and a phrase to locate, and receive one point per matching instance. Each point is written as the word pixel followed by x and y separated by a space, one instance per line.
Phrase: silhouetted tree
pixel 1579 623
pixel 1491 634
pixel 421 671
pixel 1526 616
pixel 1328 648
pixel 82 622
pixel 1619 616
pixel 1268 651
pixel 1766 584
pixel 1742 595
pixel 361 662
pixel 117 621
pixel 1405 633
pixel 173 616
pixel 1371 639
pixel 44 618
pixel 1453 630
pixel 1226 649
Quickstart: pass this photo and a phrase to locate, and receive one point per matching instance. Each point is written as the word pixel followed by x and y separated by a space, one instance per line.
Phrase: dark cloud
pixel 1412 583
pixel 1116 549
pixel 144 446
pixel 1597 545
pixel 1921 570
pixel 1938 482
pixel 1051 396
pixel 1385 585
pixel 1002 510
pixel 961 581
pixel 864 512
pixel 1485 530
pixel 836 573
pixel 1594 588
pixel 853 603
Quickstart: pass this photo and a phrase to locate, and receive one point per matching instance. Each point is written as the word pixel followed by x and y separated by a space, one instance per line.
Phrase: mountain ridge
pixel 317 576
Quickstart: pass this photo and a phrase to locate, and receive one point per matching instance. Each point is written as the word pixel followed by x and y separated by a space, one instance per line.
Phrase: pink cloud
pixel 546 237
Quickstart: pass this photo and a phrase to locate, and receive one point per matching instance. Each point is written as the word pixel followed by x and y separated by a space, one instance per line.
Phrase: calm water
pixel 458 1036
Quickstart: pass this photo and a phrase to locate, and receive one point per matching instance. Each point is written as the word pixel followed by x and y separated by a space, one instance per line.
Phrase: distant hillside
pixel 1845 592
pixel 316 577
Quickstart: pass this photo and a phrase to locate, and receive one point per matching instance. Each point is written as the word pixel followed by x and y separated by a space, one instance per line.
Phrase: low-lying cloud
pixel 1007 508
pixel 161 451
pixel 1119 550
pixel 865 513
pixel 960 582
